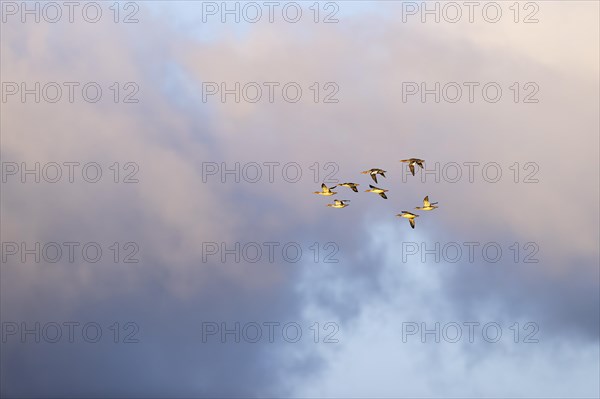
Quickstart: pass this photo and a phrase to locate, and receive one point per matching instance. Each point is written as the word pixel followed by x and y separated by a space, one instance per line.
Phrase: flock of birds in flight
pixel 427 206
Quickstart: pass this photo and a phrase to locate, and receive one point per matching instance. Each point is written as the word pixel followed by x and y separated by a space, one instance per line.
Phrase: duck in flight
pixel 412 162
pixel 410 216
pixel 427 206
pixel 326 191
pixel 339 204
pixel 374 172
pixel 376 190
pixel 349 185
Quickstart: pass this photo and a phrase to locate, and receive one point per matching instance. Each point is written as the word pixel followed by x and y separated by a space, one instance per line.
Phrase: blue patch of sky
pixel 186 17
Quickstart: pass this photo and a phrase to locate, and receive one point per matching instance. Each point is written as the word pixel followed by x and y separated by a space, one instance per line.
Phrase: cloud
pixel 171 134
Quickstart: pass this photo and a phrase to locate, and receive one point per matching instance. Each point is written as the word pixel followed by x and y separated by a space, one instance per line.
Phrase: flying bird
pixel 427 206
pixel 349 185
pixel 339 204
pixel 326 191
pixel 374 172
pixel 376 190
pixel 412 162
pixel 410 216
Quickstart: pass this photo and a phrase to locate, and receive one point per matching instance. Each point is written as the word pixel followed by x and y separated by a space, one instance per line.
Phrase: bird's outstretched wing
pixel 327 189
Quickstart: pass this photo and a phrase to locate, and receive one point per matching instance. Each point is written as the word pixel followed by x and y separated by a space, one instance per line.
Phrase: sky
pixel 160 236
